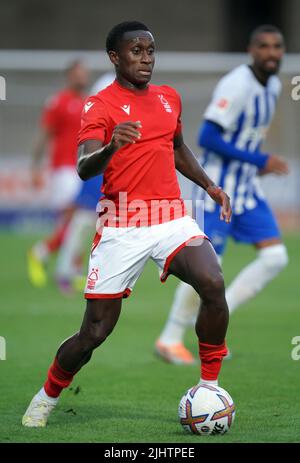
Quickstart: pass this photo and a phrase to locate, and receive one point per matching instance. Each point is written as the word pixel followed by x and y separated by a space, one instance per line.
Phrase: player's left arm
pixel 187 164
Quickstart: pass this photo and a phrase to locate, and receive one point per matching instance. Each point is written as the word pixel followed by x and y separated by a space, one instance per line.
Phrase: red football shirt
pixel 144 170
pixel 61 117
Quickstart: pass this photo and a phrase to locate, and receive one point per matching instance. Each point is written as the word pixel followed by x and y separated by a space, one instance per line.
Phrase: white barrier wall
pixel 30 77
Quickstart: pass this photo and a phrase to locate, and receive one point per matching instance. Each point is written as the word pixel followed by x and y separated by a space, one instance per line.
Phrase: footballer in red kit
pixel 59 125
pixel 131 132
pixel 146 169
pixel 61 118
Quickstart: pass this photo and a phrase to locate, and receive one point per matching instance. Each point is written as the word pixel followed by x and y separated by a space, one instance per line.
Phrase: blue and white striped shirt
pixel 244 109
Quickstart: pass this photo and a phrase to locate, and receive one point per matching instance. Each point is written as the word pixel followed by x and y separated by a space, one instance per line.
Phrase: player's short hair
pixel 264 28
pixel 117 32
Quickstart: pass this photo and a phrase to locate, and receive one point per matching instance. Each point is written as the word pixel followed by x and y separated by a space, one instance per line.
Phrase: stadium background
pixel 197 44
pixel 212 39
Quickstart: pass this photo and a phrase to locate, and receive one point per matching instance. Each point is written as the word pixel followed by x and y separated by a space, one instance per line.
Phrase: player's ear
pixel 114 58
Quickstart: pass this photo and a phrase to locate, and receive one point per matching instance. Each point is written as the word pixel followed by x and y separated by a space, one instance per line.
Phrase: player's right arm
pixel 98 141
pixel 210 137
pixel 94 156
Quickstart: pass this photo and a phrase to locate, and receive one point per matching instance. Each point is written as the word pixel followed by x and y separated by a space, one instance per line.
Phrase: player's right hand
pixel 275 165
pixel 125 133
pixel 218 195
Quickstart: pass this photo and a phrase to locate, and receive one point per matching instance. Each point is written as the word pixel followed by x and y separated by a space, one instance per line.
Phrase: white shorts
pixel 64 187
pixel 119 255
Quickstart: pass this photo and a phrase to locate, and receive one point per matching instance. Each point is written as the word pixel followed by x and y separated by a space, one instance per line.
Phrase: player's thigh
pixel 171 237
pixel 197 264
pixel 256 225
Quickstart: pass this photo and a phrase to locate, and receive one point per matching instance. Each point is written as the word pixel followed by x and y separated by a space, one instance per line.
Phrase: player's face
pixel 78 77
pixel 267 51
pixel 134 60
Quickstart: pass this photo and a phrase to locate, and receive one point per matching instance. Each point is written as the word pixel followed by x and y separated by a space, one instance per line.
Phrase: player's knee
pixel 95 335
pixel 97 338
pixel 283 259
pixel 211 286
pixel 275 258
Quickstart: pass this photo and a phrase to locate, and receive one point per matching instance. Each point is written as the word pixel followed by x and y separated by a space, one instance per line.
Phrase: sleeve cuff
pixel 262 160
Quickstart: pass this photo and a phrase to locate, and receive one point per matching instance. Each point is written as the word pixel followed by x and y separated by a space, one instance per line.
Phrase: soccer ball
pixel 206 409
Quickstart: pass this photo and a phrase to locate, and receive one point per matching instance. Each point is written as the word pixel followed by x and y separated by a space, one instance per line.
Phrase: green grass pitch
pixel 125 393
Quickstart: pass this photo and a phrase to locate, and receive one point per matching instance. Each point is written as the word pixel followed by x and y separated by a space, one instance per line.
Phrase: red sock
pixel 57 380
pixel 211 356
pixel 54 242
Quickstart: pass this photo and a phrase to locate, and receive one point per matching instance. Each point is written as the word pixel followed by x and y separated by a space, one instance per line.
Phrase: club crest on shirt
pixel 165 103
pixel 223 105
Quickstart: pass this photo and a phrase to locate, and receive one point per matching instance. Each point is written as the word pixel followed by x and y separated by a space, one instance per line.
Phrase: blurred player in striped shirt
pixel 234 128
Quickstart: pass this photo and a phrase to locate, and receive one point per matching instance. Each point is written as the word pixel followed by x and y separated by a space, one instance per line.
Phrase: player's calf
pixel 270 261
pixel 211 326
pixel 212 320
pixel 199 267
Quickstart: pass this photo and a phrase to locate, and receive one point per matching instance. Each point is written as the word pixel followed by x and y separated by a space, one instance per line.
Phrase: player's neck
pixel 77 90
pixel 129 85
pixel 259 75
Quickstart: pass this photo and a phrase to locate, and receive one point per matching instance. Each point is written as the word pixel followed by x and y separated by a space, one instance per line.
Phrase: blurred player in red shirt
pixel 69 277
pixel 60 122
pixel 132 132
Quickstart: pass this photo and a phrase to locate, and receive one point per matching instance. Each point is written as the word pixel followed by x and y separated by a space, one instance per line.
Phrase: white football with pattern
pixel 206 409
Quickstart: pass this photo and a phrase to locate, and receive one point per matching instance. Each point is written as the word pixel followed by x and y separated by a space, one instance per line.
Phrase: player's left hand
pixel 220 197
